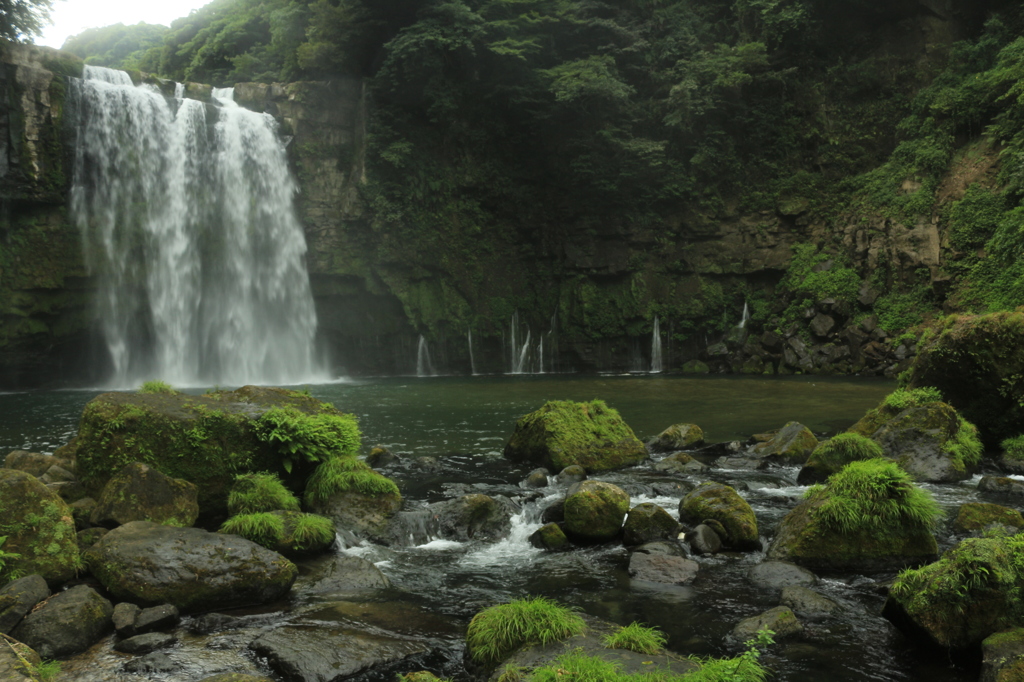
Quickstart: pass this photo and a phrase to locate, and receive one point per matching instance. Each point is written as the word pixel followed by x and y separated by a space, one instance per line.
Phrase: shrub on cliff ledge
pixel 563 433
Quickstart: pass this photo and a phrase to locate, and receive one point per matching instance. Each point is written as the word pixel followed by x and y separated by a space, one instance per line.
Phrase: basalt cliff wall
pixel 571 297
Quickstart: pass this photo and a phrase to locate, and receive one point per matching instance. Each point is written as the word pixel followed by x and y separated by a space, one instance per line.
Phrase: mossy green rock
pixel 803 539
pixel 648 522
pixel 189 568
pixel 976 361
pixel 549 536
pixel 205 439
pixel 718 502
pixel 39 527
pixel 1002 657
pixel 792 444
pixel 594 510
pixel 563 433
pixel 695 367
pixel 832 455
pixel 363 514
pixel 677 437
pixel 958 601
pixel 931 442
pixel 286 542
pixel 18 662
pixel 141 493
pixel 979 515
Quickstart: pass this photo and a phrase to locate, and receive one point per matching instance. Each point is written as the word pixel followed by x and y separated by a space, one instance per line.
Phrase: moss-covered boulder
pixel 976 361
pixel 209 439
pixel 972 592
pixel 790 445
pixel 1002 657
pixel 549 536
pixel 869 516
pixel 924 435
pixel 190 568
pixel 835 453
pixel 260 492
pixel 648 522
pixel 975 516
pixel 67 623
pixel 18 662
pixel 677 437
pixel 563 433
pixel 290 533
pixel 780 620
pixel 39 529
pixel 594 510
pixel 141 493
pixel 472 517
pixel 354 496
pixel 719 502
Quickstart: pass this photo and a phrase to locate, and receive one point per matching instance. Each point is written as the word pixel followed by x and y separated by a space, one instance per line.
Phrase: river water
pixel 456 428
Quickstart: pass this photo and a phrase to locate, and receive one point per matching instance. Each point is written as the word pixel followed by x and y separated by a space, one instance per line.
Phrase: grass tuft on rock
pixel 262 492
pixel 905 398
pixel 873 495
pixel 965 447
pixel 312 530
pixel 844 448
pixel 342 474
pixel 638 638
pixel 497 631
pixel 1014 448
pixel 157 387
pixel 264 529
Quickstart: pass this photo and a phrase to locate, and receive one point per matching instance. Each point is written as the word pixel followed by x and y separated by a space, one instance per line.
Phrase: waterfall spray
pixel 656 347
pixel 424 367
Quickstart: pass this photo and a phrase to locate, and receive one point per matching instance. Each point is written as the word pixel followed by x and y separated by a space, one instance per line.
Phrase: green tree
pixel 23 19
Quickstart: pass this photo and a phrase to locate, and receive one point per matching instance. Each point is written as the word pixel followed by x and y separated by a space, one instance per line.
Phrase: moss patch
pixel 835 453
pixel 721 503
pixel 496 632
pixel 39 529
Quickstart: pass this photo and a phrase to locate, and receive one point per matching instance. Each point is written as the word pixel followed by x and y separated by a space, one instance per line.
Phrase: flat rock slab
pixel 144 644
pixel 775 575
pixel 336 575
pixel 662 568
pixel 343 639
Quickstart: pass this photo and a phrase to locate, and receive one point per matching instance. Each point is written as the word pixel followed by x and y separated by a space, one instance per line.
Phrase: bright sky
pixel 71 17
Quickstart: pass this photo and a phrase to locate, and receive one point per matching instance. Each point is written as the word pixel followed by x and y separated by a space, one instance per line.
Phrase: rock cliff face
pixel 585 296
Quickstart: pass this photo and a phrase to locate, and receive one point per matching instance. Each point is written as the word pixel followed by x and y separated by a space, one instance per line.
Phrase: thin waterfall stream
pixel 186 216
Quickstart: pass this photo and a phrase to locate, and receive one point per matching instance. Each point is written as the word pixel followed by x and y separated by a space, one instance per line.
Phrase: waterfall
pixel 656 347
pixel 424 367
pixel 744 317
pixel 472 361
pixel 186 216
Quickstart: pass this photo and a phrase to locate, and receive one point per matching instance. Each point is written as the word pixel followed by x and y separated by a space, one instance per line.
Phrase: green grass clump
pixel 1014 447
pixel 873 495
pixel 496 632
pixel 342 474
pixel 312 530
pixel 151 387
pixel 844 448
pixel 314 437
pixel 48 671
pixel 255 493
pixel 636 637
pixel 264 529
pixel 905 398
pixel 965 447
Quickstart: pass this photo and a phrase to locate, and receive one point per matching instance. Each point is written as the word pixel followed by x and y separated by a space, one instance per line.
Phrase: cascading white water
pixel 424 367
pixel 744 317
pixel 656 347
pixel 187 220
pixel 472 361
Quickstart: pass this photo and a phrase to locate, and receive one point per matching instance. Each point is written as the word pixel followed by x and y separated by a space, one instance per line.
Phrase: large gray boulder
pixel 18 598
pixel 141 493
pixel 189 568
pixel 70 622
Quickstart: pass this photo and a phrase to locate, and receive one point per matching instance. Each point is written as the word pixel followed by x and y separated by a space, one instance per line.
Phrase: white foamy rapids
pixel 514 550
pixel 440 545
pixel 191 231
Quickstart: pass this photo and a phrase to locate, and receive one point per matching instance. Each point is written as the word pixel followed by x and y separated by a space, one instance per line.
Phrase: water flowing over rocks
pixel 187 567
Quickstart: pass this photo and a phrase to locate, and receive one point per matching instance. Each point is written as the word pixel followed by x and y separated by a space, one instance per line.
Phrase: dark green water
pixel 464 422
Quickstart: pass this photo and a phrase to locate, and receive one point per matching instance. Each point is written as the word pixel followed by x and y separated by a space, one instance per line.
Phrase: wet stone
pixel 151 663
pixel 144 644
pixel 124 617
pixel 662 568
pixel 776 575
pixel 808 604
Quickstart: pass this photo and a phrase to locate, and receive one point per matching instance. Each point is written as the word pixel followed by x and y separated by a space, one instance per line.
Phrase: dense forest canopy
pixel 545 119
